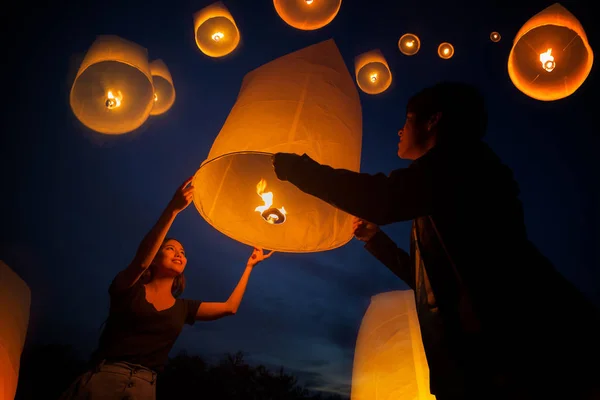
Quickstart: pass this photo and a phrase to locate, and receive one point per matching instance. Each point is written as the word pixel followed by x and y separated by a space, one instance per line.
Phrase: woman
pixel 146 315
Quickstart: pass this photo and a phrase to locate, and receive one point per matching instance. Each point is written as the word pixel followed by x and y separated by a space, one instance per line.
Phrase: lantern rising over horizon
pixel 409 44
pixel 307 15
pixel 164 91
pixel 215 30
pixel 113 92
pixel 445 50
pixel 551 57
pixel 303 102
pixel 373 74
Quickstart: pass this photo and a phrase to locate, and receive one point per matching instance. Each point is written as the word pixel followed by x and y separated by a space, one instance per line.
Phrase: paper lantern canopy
pixel 389 359
pixel 307 14
pixel 112 92
pixel 551 57
pixel 164 91
pixel 373 75
pixel 409 44
pixel 15 302
pixel 495 37
pixel 304 102
pixel 445 50
pixel 216 32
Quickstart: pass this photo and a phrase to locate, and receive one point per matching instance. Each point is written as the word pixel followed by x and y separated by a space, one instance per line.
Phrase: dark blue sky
pixel 75 204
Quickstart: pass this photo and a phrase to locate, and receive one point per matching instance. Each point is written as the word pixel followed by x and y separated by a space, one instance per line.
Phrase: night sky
pixel 75 204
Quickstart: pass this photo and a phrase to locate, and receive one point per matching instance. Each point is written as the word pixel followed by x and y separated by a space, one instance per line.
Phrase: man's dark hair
pixel 464 115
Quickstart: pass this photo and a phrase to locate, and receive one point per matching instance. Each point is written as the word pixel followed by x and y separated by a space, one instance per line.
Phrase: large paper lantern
pixel 304 102
pixel 15 301
pixel 112 92
pixel 216 32
pixel 445 51
pixel 389 358
pixel 551 57
pixel 164 91
pixel 373 75
pixel 307 15
pixel 409 44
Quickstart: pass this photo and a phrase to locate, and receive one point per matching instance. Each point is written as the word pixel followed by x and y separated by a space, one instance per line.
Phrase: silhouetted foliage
pixel 46 371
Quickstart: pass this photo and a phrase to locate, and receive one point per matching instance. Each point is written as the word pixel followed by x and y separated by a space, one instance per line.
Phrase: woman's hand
pixel 257 256
pixel 363 230
pixel 182 197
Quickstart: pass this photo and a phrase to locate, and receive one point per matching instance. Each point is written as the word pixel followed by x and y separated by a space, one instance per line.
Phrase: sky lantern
pixel 164 91
pixel 409 44
pixel 373 75
pixel 389 358
pixel 551 57
pixel 303 102
pixel 445 50
pixel 495 37
pixel 112 92
pixel 307 15
pixel 15 302
pixel 216 32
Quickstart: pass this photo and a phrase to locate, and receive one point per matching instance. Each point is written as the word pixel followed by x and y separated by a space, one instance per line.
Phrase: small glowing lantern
pixel 303 102
pixel 164 91
pixel 495 37
pixel 389 359
pixel 15 302
pixel 373 75
pixel 445 50
pixel 307 15
pixel 112 92
pixel 216 32
pixel 409 44
pixel 551 57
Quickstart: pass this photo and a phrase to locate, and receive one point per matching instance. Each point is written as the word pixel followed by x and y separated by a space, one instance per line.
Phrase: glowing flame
pixel 270 214
pixel 155 97
pixel 410 43
pixel 446 50
pixel 113 101
pixel 308 1
pixel 373 77
pixel 547 60
pixel 217 36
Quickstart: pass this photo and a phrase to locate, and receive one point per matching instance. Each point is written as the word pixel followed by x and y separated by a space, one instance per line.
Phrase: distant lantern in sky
pixel 551 57
pixel 15 302
pixel 445 50
pixel 164 91
pixel 495 37
pixel 373 75
pixel 303 102
pixel 307 15
pixel 389 358
pixel 409 44
pixel 113 92
pixel 216 32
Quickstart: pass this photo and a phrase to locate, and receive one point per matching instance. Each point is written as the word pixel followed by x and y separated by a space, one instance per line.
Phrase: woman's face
pixel 171 258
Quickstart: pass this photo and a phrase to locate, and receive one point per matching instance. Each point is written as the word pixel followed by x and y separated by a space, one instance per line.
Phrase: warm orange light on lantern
pixel 164 91
pixel 373 75
pixel 216 32
pixel 445 50
pixel 551 57
pixel 495 37
pixel 307 15
pixel 409 44
pixel 113 92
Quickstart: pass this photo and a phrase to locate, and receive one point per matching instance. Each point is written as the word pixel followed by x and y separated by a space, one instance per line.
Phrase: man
pixel 497 320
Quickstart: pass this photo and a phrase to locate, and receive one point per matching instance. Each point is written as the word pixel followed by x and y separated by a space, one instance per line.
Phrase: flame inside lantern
pixel 547 60
pixel 373 77
pixel 217 36
pixel 308 1
pixel 113 101
pixel 270 214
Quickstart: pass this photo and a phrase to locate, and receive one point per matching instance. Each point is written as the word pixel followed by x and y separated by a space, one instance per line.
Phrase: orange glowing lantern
pixel 373 75
pixel 303 102
pixel 551 57
pixel 389 358
pixel 495 37
pixel 113 92
pixel 216 32
pixel 15 302
pixel 307 15
pixel 164 91
pixel 409 44
pixel 445 50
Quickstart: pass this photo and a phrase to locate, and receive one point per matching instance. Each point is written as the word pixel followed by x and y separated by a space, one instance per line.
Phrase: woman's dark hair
pixel 464 114
pixel 178 283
